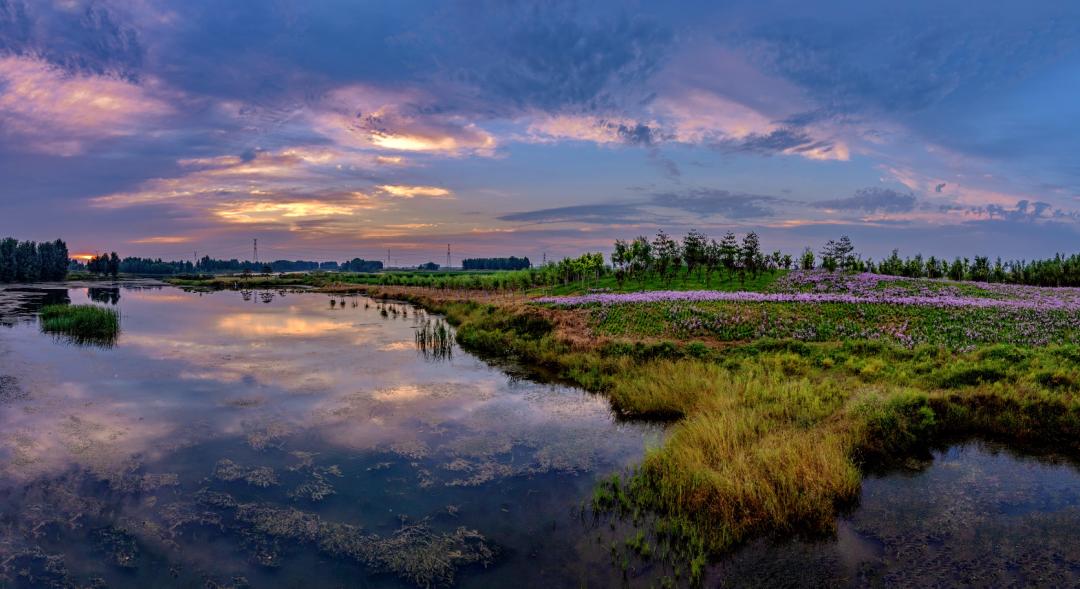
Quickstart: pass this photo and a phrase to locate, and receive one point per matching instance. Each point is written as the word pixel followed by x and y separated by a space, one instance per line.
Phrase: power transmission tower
pixel 448 256
pixel 256 250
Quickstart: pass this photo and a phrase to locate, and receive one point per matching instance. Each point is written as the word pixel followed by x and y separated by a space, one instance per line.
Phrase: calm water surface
pixel 276 439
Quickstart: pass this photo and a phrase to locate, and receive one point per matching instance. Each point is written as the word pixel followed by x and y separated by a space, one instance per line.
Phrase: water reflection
pixel 106 295
pixel 282 430
pixel 977 514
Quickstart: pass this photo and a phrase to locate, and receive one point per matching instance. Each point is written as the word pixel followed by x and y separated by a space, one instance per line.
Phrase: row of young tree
pixel 666 258
pixel 510 263
pixel 1057 271
pixel 696 255
pixel 29 261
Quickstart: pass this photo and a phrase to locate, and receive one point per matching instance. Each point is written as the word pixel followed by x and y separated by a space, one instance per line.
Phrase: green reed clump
pixel 84 323
pixel 435 339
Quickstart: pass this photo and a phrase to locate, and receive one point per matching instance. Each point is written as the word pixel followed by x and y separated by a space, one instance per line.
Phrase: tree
pixel 806 260
pixel 842 254
pixel 729 253
pixel 113 265
pixel 750 254
pixel 620 255
pixel 641 256
pixel 934 268
pixel 958 269
pixel 8 261
pixel 980 269
pixel 693 250
pixel 713 259
pixel 666 254
pixel 26 262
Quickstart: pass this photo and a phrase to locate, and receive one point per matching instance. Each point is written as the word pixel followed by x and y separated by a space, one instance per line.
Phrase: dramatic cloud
pixel 397 121
pixel 533 126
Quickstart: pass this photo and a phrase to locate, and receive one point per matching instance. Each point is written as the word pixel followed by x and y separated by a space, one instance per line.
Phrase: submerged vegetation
pixel 82 323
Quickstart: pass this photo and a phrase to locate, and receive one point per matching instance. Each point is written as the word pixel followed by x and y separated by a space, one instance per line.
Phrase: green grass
pixel 83 323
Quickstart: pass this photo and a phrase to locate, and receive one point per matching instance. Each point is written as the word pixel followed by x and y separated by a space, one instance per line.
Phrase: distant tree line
pixel 361 265
pixel 29 261
pixel 157 266
pixel 511 263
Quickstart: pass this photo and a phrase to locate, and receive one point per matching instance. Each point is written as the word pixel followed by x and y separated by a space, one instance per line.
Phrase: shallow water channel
pixel 276 438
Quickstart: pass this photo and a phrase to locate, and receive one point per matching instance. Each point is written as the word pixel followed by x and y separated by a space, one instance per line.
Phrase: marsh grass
pixel 88 324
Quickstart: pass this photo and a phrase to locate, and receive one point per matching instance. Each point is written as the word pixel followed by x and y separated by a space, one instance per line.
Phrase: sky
pixel 335 129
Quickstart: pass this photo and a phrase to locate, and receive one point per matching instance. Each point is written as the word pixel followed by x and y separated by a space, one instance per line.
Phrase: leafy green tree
pixel 641 256
pixel 666 254
pixel 694 250
pixel 713 259
pixel 729 253
pixel 113 265
pixel 750 254
pixel 806 260
pixel 958 269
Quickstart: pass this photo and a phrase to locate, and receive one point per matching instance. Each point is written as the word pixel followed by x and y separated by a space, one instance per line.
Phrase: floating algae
pixel 266 434
pixel 256 476
pixel 316 487
pixel 314 490
pixel 415 552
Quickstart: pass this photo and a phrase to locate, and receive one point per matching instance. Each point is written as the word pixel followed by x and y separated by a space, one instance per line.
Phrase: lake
pixel 271 438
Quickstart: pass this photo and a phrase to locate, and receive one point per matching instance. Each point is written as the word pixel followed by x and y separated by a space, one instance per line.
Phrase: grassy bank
pixel 772 435
pixel 83 323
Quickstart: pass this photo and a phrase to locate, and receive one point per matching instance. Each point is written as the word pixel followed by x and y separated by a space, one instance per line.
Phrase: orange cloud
pixel 165 239
pixel 277 212
pixel 396 120
pixel 405 191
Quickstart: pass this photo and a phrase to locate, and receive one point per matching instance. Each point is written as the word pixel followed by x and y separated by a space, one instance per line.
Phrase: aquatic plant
pixel 435 339
pixel 82 323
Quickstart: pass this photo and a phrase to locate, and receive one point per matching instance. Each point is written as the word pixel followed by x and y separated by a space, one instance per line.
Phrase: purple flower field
pixel 819 306
pixel 824 287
